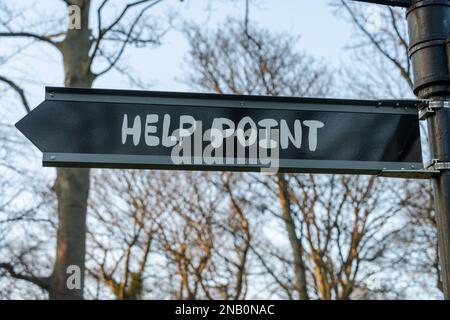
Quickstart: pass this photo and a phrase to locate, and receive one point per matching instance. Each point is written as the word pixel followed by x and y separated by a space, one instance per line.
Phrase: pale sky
pixel 322 34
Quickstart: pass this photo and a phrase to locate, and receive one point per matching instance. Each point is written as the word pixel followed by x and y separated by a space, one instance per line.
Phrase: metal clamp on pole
pixel 436 165
pixel 428 108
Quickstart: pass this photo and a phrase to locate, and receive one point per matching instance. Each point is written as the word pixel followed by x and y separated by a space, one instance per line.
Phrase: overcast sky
pixel 322 33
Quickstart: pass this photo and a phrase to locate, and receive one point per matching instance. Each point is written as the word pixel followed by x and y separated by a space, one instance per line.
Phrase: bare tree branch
pixel 40 282
pixel 404 72
pixel 19 91
pixel 103 31
pixel 46 39
pixel 126 41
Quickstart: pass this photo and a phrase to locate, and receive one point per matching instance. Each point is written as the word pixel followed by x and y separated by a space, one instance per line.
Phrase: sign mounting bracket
pixel 437 165
pixel 428 108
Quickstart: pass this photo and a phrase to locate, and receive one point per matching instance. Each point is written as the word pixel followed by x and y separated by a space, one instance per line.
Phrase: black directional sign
pixel 165 130
pixel 397 3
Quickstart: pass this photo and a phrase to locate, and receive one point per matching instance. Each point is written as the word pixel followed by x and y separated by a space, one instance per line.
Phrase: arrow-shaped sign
pixel 396 3
pixel 138 129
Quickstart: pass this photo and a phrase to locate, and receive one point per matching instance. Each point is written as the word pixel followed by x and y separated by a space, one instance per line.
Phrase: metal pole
pixel 439 127
pixel 429 33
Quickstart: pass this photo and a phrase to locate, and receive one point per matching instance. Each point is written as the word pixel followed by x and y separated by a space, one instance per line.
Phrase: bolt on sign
pixel 191 131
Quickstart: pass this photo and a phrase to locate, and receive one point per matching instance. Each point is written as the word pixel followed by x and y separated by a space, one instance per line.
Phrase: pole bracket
pixel 437 165
pixel 428 108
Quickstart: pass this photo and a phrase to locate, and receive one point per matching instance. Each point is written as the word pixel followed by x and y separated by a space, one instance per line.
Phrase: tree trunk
pixel 296 246
pixel 72 185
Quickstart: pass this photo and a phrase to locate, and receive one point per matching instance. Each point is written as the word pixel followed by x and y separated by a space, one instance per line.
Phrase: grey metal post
pixel 429 33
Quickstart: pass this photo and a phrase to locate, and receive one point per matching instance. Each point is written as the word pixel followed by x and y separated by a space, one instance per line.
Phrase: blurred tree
pixel 82 46
pixel 183 233
pixel 335 225
pixel 125 217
